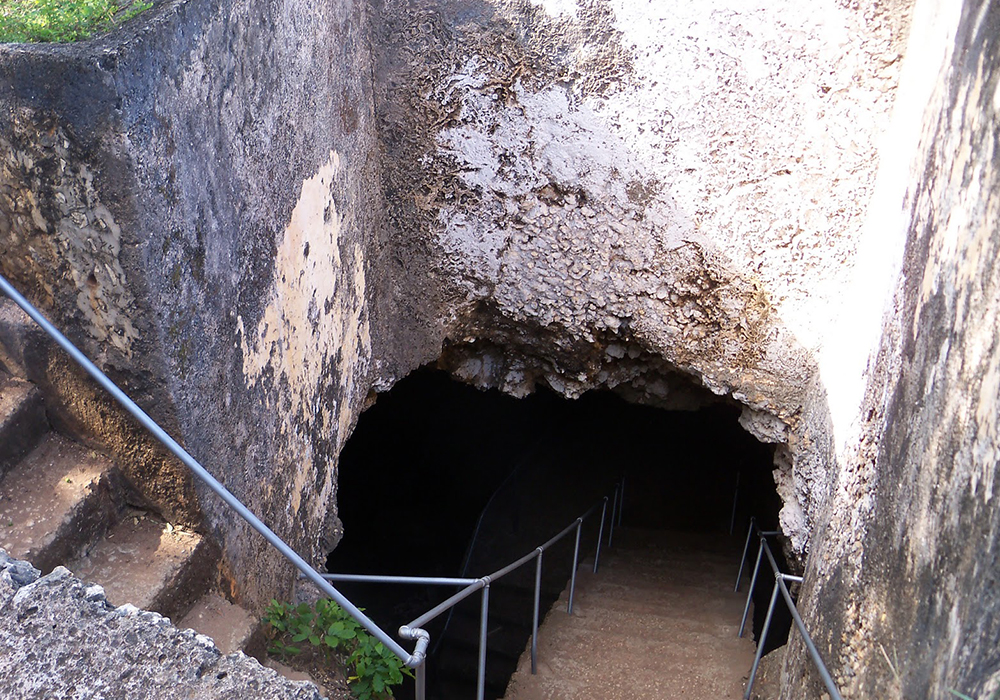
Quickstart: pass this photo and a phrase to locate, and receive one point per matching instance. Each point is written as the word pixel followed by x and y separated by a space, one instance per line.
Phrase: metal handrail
pixel 470 548
pixel 780 585
pixel 483 584
pixel 413 631
pixel 422 637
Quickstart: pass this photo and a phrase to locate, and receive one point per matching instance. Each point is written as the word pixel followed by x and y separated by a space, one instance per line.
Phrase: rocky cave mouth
pixel 443 479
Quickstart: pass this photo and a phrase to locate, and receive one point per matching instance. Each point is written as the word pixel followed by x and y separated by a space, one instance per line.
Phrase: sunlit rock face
pixel 258 214
pixel 195 200
pixel 267 212
pixel 902 578
pixel 609 192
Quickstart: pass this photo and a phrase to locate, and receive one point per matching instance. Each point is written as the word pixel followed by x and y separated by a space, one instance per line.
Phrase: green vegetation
pixel 329 628
pixel 63 20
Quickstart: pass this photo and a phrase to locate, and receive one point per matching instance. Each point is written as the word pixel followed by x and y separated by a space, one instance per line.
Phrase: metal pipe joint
pixel 423 638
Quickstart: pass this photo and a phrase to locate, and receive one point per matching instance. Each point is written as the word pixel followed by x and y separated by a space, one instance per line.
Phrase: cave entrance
pixel 442 479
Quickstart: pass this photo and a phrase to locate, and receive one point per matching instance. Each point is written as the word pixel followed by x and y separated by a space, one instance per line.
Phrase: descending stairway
pixel 64 504
pixel 659 620
pixel 520 516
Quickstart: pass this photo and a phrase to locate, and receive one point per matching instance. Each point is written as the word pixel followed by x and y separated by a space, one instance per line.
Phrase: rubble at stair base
pixel 62 637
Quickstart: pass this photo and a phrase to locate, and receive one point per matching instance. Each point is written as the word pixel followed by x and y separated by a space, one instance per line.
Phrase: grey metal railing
pixel 781 581
pixel 413 660
pixel 470 548
pixel 413 631
pixel 471 585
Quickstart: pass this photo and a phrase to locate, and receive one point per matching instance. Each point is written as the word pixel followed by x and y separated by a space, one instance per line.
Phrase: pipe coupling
pixel 423 638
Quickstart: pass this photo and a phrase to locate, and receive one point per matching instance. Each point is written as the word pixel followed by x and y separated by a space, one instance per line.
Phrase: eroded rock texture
pixel 611 193
pixel 904 575
pixel 262 212
pixel 259 213
pixel 195 201
pixel 76 644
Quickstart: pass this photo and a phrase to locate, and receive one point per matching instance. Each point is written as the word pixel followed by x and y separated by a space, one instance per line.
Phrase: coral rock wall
pixel 903 587
pixel 613 191
pixel 257 214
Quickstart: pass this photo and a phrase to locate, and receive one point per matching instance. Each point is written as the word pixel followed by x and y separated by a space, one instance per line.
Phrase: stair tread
pixel 664 580
pixel 708 617
pixel 49 495
pixel 656 604
pixel 677 559
pixel 140 561
pixel 658 620
pixel 630 537
pixel 13 393
pixel 696 641
pixel 230 626
pixel 22 419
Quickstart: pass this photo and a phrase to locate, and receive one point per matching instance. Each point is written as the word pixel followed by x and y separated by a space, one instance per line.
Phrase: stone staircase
pixel 454 668
pixel 659 620
pixel 64 504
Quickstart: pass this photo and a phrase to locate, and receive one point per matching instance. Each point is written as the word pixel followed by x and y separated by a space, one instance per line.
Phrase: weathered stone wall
pixel 609 193
pixel 582 195
pixel 62 639
pixel 253 219
pixel 903 587
pixel 195 199
pixel 255 212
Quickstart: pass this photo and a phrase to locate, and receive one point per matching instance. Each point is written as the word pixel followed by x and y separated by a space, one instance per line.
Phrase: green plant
pixel 328 627
pixel 63 20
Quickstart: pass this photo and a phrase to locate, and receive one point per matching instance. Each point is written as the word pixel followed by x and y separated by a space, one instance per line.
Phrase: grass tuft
pixel 63 20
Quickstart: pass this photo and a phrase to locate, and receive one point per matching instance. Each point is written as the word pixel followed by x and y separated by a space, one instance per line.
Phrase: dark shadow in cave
pixel 427 458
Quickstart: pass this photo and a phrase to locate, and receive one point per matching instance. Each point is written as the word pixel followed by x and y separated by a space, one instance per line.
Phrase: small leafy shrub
pixel 63 20
pixel 328 627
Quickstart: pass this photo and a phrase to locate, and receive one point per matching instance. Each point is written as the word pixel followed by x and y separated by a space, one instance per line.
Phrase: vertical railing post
pixel 746 549
pixel 421 681
pixel 753 584
pixel 600 534
pixel 614 514
pixel 534 616
pixel 483 628
pixel 763 637
pixel 576 557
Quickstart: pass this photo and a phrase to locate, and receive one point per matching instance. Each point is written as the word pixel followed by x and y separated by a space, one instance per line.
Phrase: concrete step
pixel 56 501
pixel 656 623
pixel 22 420
pixel 681 560
pixel 584 663
pixel 701 642
pixel 150 564
pixel 671 541
pixel 230 626
pixel 640 577
pixel 659 620
pixel 666 604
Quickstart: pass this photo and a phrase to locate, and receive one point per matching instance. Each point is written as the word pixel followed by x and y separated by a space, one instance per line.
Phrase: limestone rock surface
pixel 902 586
pixel 63 640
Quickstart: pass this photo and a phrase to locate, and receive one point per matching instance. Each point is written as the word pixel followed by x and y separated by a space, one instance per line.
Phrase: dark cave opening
pixel 434 458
